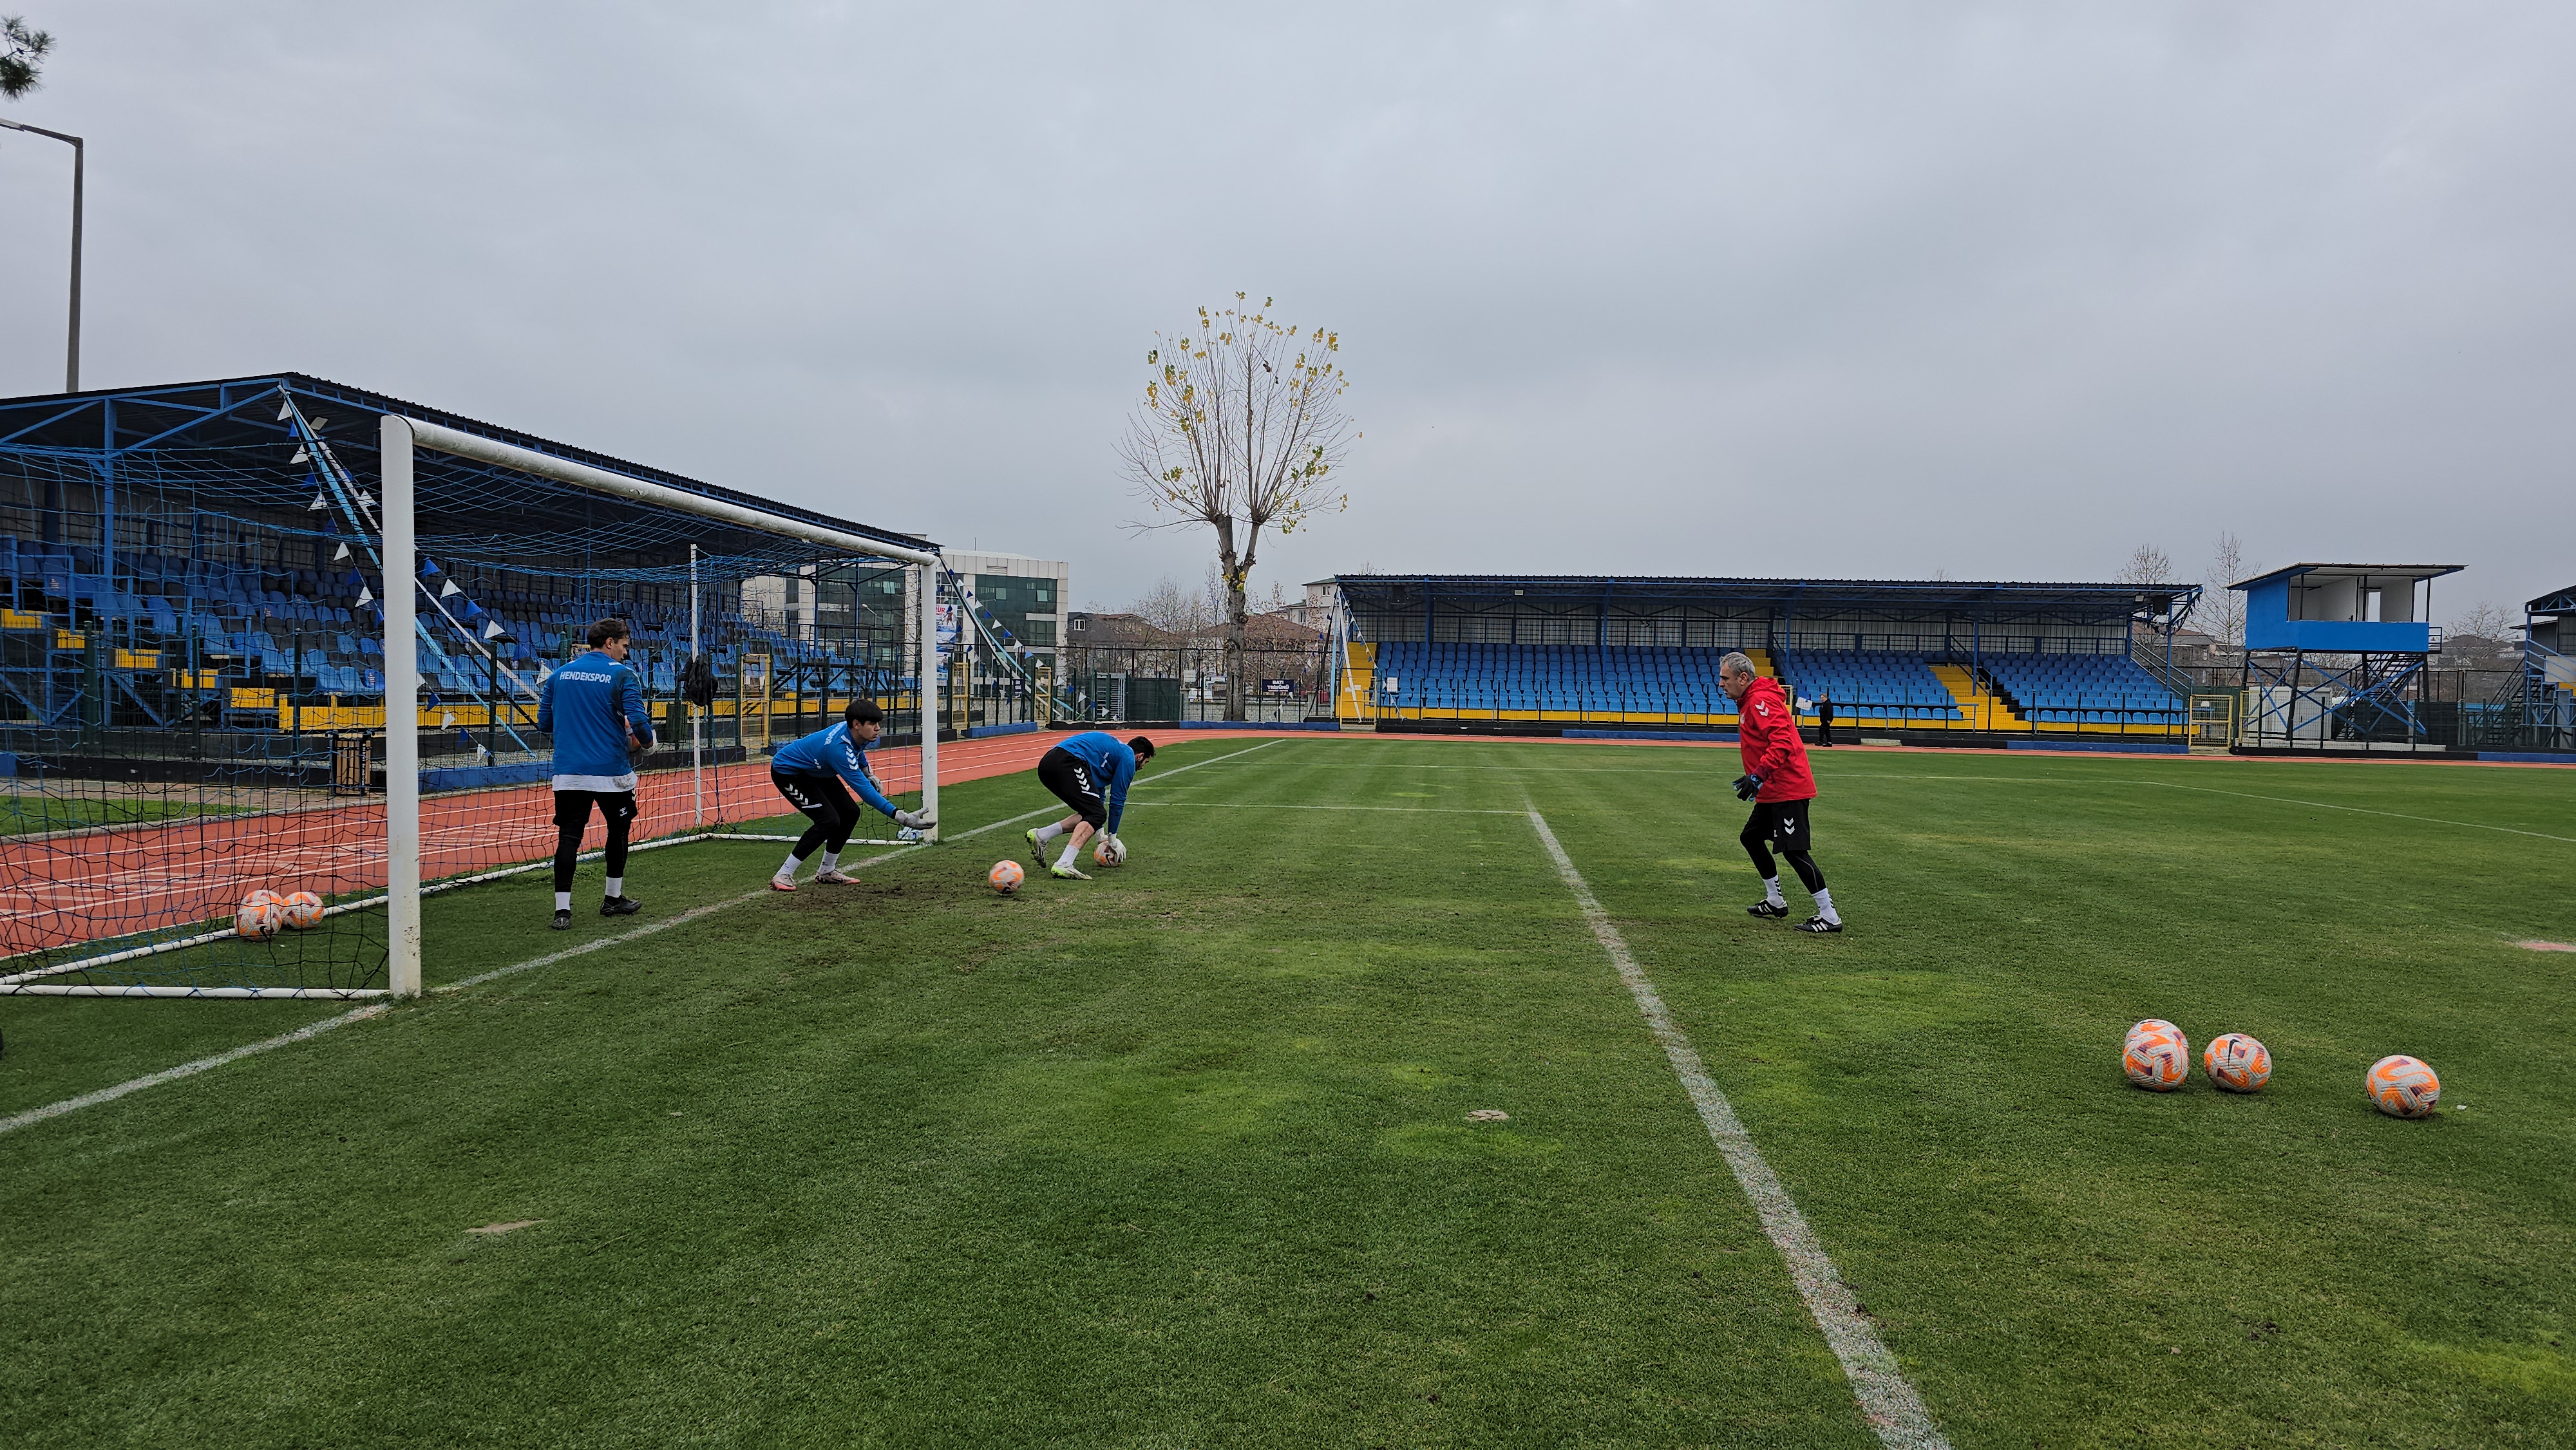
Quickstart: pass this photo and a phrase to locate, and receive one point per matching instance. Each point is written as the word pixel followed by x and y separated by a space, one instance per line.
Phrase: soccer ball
pixel 1006 876
pixel 2236 1063
pixel 303 910
pixel 259 917
pixel 2157 1060
pixel 1109 851
pixel 2403 1087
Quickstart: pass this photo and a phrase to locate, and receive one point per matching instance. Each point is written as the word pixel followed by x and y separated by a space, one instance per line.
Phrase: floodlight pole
pixel 80 164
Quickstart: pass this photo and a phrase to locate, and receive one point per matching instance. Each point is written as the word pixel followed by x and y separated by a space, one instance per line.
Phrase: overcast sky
pixel 1776 289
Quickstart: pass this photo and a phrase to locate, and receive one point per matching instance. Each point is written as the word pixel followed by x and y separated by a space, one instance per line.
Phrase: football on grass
pixel 303 910
pixel 260 917
pixel 1005 876
pixel 2157 1060
pixel 2236 1062
pixel 2403 1087
pixel 1109 851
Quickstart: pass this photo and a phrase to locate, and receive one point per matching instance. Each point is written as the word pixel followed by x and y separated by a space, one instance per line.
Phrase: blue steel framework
pixel 94 479
pixel 1947 620
pixel 2326 683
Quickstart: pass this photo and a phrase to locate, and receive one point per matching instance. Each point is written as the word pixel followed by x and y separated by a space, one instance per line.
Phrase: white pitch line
pixel 315 1029
pixel 2358 810
pixel 189 1069
pixel 1887 1400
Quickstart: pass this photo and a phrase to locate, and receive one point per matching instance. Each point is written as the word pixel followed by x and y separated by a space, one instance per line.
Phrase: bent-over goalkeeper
pixel 810 772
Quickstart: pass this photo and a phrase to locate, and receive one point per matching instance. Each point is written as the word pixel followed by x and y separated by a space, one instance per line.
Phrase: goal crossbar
pixel 398 437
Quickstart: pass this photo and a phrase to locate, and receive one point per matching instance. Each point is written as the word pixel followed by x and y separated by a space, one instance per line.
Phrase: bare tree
pixel 1240 430
pixel 2485 621
pixel 1175 610
pixel 22 55
pixel 2147 565
pixel 2227 607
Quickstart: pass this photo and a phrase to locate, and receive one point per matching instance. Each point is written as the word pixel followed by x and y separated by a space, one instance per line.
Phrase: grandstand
pixel 177 559
pixel 1934 660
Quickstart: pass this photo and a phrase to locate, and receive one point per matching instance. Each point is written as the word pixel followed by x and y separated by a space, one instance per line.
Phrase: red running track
pixel 87 886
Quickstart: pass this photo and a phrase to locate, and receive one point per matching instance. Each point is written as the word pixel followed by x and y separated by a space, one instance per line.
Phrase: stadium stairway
pixel 1979 707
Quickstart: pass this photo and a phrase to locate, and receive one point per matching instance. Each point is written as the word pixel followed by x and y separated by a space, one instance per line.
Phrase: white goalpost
pixel 398 437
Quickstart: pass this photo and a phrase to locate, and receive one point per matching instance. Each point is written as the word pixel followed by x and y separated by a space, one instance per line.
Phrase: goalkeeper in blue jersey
pixel 810 773
pixel 1089 772
pixel 594 708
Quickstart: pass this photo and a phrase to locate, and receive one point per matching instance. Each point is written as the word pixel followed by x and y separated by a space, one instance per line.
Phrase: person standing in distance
pixel 594 708
pixel 809 772
pixel 1089 772
pixel 1777 781
pixel 1824 717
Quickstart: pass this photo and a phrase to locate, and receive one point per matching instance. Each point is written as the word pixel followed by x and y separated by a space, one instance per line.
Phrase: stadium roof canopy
pixel 2390 572
pixel 2072 603
pixel 2556 601
pixel 232 414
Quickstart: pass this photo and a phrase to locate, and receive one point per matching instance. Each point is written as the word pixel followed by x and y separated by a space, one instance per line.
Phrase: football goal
pixel 293 687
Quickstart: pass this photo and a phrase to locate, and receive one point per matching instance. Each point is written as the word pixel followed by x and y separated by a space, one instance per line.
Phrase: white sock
pixel 831 860
pixel 1825 907
pixel 1049 832
pixel 616 887
pixel 788 871
pixel 563 901
pixel 1065 861
pixel 1771 892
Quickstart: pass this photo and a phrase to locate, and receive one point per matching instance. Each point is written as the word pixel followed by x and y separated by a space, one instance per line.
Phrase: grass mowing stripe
pixel 312 1030
pixel 1282 806
pixel 2361 810
pixel 1887 1400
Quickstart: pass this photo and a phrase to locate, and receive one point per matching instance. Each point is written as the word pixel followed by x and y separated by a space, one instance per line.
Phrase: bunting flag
pixel 285 409
pixel 450 591
pixel 428 567
pixel 320 501
pixel 344 553
pixel 366 596
pixel 317 424
pixel 301 454
pixel 492 629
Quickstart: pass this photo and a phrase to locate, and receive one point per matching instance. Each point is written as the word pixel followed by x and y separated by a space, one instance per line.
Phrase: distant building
pixel 1025 597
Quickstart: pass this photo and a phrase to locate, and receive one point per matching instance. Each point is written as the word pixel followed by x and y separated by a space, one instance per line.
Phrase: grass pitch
pixel 1182 1156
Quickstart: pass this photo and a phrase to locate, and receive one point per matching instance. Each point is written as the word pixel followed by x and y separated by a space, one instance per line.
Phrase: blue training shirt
pixel 587 706
pixel 834 752
pixel 1116 764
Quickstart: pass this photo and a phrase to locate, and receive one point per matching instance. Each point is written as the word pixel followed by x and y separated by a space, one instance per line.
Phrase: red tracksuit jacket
pixel 1767 733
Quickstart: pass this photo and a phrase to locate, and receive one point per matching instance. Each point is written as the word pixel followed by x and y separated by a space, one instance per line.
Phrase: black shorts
pixel 1783 823
pixel 821 797
pixel 572 807
pixel 1072 780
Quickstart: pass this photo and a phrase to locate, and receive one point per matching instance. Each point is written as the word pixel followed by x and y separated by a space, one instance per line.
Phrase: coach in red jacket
pixel 1778 783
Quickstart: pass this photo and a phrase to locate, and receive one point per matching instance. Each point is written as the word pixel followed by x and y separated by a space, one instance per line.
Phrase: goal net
pixel 261 693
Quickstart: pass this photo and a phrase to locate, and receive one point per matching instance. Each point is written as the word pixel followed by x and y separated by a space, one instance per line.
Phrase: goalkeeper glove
pixel 917 820
pixel 1746 784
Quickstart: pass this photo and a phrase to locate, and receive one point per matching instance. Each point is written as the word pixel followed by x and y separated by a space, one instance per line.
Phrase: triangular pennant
pixel 493 628
pixel 319 423
pixel 285 409
pixel 366 499
pixel 366 596
pixel 300 456
pixel 320 501
pixel 450 591
pixel 344 553
pixel 428 567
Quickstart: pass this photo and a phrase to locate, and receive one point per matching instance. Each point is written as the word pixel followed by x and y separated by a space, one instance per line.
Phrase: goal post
pixel 398 437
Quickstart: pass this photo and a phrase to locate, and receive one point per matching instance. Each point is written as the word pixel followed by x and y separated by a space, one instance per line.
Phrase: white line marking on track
pixel 1887 1400
pixel 316 1029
